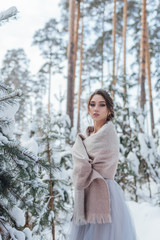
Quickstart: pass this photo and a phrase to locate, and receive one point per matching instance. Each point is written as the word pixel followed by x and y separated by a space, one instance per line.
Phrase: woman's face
pixel 98 109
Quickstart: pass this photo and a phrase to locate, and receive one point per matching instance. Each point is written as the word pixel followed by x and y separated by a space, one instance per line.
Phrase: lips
pixel 95 114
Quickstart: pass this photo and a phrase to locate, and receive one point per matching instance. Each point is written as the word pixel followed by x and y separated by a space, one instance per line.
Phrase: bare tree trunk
pixel 29 223
pixel 71 61
pixel 119 57
pixel 135 189
pixel 51 202
pixel 102 45
pixel 76 43
pixel 80 80
pixel 149 186
pixel 114 43
pixel 148 69
pixel 143 55
pixel 124 51
pixel 49 90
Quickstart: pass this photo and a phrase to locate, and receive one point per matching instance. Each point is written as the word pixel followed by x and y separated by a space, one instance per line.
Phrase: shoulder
pixel 110 129
pixel 108 126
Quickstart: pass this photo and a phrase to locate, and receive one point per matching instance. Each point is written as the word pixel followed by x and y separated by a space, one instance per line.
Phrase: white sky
pixel 33 14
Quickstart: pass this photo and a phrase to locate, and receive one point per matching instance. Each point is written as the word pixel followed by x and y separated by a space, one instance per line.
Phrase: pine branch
pixel 3 208
pixel 17 93
pixel 2 222
pixel 5 122
pixel 14 145
pixel 8 213
pixel 3 86
pixel 10 12
pixel 18 196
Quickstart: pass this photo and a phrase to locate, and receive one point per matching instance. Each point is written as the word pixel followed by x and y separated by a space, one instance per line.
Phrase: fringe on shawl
pixel 92 219
pixel 78 220
pixel 99 219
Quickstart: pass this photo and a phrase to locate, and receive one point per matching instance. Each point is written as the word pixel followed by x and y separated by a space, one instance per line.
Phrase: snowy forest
pixel 114 45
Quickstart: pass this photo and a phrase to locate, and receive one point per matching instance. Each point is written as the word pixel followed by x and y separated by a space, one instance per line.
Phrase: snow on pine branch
pixel 12 11
pixel 16 93
pixel 3 86
pixel 15 144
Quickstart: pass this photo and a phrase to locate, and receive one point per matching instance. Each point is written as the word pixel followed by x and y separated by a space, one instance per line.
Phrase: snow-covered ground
pixel 147 220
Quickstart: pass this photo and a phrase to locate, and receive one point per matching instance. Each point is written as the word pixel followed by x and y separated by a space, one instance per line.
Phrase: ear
pixel 109 113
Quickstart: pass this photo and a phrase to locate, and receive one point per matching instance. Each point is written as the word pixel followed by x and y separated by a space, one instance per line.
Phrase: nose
pixel 96 108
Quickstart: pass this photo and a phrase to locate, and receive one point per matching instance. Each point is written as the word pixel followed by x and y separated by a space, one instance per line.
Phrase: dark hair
pixel 108 100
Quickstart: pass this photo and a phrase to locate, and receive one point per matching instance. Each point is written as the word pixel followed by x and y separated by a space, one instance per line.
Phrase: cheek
pixel 90 110
pixel 105 112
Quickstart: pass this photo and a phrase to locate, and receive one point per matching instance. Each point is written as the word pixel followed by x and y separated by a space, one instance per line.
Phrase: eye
pixel 92 104
pixel 102 105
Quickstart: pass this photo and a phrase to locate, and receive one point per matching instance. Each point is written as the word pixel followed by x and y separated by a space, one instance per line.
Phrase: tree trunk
pixel 135 189
pixel 143 55
pixel 71 58
pixel 51 202
pixel 76 43
pixel 124 51
pixel 149 186
pixel 28 223
pixel 49 90
pixel 148 69
pixel 102 45
pixel 114 43
pixel 80 80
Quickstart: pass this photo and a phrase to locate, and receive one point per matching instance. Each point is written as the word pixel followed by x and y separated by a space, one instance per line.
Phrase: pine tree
pixel 49 41
pixel 39 91
pixel 139 160
pixel 15 72
pixel 55 133
pixel 19 178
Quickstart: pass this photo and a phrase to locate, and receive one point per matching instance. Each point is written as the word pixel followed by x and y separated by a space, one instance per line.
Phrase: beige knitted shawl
pixel 95 157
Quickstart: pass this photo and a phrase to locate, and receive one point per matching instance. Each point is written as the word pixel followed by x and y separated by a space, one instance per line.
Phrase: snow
pixel 133 161
pixel 28 233
pixel 144 149
pixel 141 121
pixel 7 113
pixel 18 216
pixel 146 218
pixel 16 235
pixel 159 147
pixel 3 139
pixel 12 11
pixel 51 216
pixel 31 145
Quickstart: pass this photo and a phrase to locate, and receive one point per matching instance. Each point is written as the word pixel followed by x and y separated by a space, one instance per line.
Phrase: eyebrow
pixel 99 101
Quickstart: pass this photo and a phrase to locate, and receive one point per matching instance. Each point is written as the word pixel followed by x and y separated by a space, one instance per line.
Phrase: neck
pixel 98 125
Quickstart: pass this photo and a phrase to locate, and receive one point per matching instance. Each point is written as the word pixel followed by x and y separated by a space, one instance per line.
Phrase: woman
pixel 100 211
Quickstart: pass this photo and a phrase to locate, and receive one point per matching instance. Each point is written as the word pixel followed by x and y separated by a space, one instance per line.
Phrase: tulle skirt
pixel 121 227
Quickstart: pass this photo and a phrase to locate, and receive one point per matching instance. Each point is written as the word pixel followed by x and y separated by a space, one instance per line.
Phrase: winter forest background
pixel 92 44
